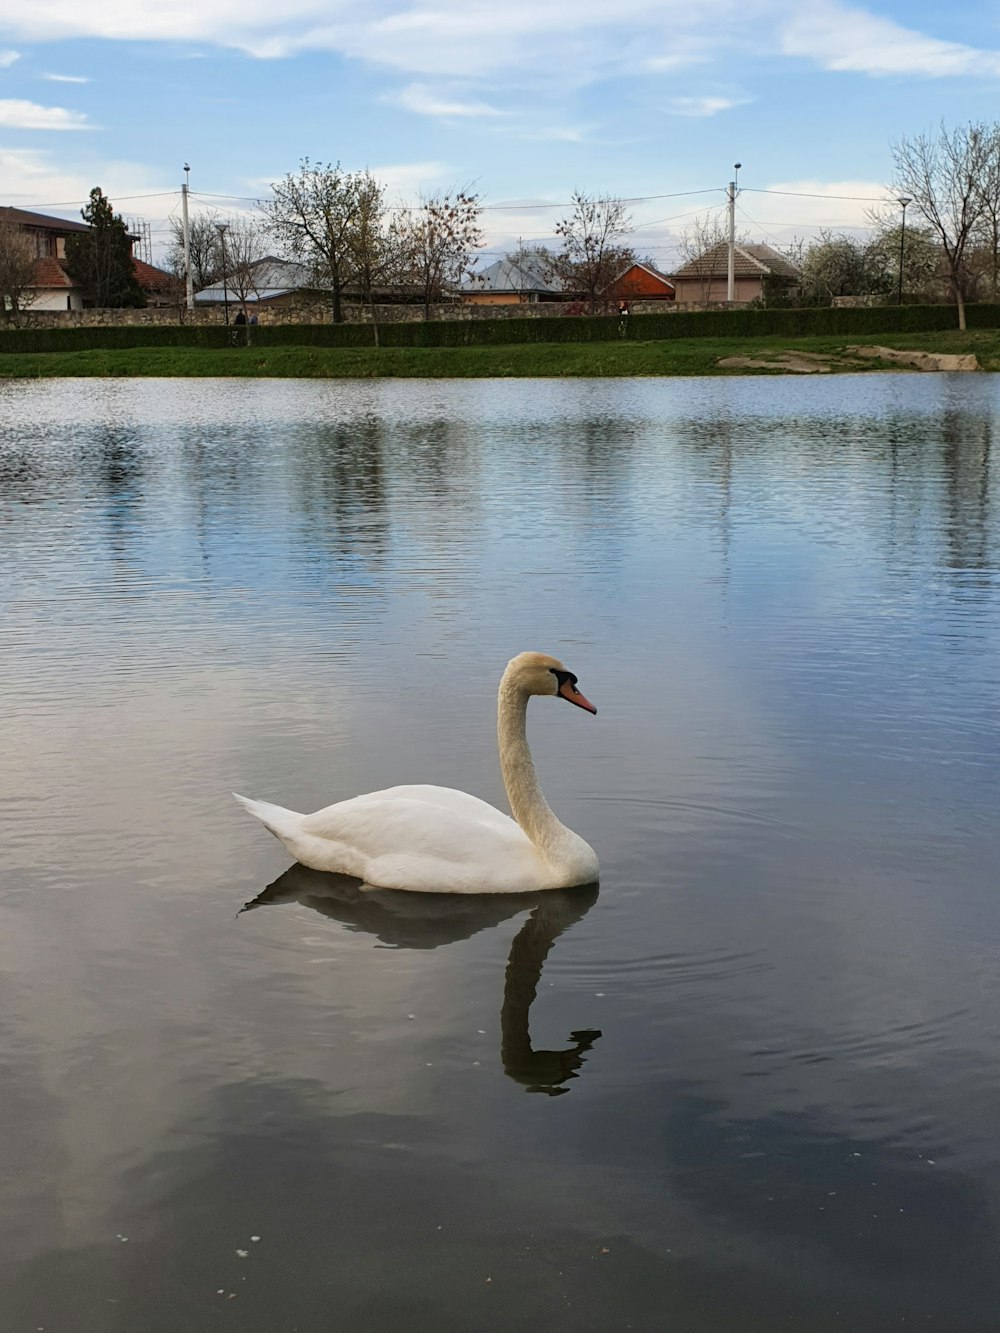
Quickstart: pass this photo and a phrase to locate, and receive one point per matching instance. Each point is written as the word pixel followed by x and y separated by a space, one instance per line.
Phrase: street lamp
pixel 222 228
pixel 731 267
pixel 902 241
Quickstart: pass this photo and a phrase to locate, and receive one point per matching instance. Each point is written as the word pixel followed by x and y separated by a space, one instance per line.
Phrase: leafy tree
pixel 376 245
pixel 206 256
pixel 17 271
pixel 311 215
pixel 835 265
pixel 592 253
pixel 923 262
pixel 946 176
pixel 438 240
pixel 101 259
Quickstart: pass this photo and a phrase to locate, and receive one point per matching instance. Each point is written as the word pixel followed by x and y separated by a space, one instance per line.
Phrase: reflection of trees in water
pixel 711 442
pixel 120 475
pixel 969 541
pixel 426 921
pixel 899 452
pixel 340 487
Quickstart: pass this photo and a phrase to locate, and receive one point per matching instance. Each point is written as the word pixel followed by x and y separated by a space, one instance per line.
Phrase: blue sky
pixel 643 99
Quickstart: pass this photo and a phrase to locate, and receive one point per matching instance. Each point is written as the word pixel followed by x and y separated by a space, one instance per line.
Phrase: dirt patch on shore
pixel 918 360
pixel 851 358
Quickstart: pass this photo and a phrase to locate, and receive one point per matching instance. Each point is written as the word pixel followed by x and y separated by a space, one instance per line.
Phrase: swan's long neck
pixel 528 806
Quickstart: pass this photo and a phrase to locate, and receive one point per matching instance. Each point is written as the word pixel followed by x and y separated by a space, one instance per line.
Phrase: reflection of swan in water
pixel 425 921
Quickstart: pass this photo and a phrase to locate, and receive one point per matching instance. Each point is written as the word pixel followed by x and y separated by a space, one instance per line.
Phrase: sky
pixel 650 101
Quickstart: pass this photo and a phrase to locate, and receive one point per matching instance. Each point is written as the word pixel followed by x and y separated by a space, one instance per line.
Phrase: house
pixel 641 282
pixel 271 280
pixel 508 282
pixel 705 278
pixel 53 288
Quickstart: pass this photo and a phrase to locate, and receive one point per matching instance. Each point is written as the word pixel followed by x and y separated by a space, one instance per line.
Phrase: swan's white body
pixel 438 840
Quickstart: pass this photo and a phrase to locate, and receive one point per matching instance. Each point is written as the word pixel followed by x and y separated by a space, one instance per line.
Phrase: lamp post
pixel 902 242
pixel 731 276
pixel 222 228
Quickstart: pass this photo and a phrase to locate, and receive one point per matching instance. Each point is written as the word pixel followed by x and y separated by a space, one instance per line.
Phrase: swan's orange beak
pixel 568 690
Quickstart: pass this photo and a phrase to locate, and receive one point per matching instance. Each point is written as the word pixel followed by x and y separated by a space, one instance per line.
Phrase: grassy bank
pixel 681 356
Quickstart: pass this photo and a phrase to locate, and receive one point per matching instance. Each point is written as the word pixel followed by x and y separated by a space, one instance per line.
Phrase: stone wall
pixel 312 312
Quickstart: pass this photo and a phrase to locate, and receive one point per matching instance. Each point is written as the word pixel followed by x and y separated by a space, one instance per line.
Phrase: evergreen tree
pixel 101 259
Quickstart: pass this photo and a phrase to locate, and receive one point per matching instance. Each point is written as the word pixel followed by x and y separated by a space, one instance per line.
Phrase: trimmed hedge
pixel 788 323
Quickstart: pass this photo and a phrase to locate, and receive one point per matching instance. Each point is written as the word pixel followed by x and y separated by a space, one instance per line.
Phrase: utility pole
pixel 731 194
pixel 188 285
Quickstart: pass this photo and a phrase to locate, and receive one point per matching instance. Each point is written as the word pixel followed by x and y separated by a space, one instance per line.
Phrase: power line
pixel 119 198
pixel 801 194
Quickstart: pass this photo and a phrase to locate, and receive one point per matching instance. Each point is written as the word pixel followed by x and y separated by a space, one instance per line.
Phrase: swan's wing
pixel 448 798
pixel 443 801
pixel 430 837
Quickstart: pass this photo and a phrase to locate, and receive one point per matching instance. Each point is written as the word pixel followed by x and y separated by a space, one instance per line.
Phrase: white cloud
pixel 405 180
pixel 803 207
pixel 66 78
pixel 565 41
pixel 411 179
pixel 840 38
pixel 425 101
pixel 704 106
pixel 559 134
pixel 20 115
pixel 7 58
pixel 40 178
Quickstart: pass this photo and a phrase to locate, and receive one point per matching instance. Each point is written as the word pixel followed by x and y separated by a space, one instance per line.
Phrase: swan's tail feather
pixel 275 818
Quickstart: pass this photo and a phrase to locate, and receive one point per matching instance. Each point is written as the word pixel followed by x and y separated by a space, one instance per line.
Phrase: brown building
pixel 641 282
pixel 705 279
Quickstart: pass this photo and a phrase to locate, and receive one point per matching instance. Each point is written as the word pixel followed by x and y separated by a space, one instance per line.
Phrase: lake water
pixel 751 1083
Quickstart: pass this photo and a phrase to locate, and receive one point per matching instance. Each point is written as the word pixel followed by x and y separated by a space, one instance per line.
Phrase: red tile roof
pixel 750 261
pixel 152 279
pixel 50 273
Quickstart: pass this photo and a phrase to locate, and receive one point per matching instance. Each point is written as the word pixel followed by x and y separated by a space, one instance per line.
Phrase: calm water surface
pixel 751 1083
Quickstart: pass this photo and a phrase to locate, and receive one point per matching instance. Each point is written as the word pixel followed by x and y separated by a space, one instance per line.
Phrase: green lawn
pixel 690 356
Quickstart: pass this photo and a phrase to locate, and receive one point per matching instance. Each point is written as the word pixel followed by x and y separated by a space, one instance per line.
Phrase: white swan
pixel 437 840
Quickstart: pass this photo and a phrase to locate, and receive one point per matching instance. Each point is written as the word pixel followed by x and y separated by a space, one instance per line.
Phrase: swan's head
pixel 537 673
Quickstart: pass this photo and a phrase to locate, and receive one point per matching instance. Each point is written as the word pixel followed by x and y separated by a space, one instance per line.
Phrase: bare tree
pixel 206 257
pixel 946 177
pixel 311 216
pixel 592 253
pixel 532 263
pixel 17 271
pixel 702 247
pixel 439 239
pixel 376 243
pixel 246 246
pixel 987 233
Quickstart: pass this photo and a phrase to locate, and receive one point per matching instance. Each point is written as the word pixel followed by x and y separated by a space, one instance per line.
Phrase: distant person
pixel 240 318
pixel 253 319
